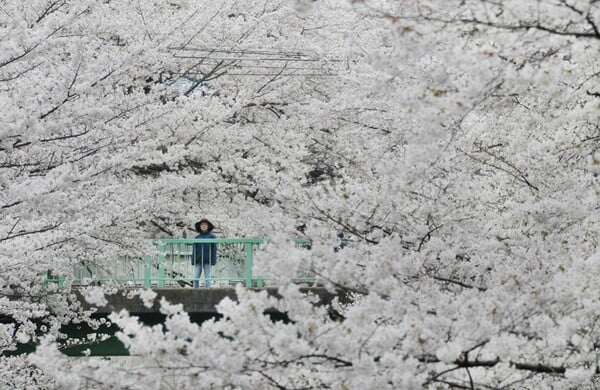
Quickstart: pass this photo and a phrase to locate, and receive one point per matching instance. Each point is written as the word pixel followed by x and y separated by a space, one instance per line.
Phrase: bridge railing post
pixel 249 251
pixel 147 271
pixel 161 265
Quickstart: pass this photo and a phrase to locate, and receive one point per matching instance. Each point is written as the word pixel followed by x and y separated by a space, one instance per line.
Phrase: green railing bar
pixel 160 241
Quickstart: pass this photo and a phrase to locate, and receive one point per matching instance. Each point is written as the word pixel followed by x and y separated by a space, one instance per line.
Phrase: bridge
pixel 170 274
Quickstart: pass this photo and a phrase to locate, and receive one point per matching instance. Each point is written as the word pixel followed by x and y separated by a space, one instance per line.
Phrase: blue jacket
pixel 204 253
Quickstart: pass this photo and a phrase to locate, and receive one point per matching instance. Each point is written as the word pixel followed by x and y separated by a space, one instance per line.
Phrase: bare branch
pixel 20 234
pixel 514 171
pixel 19 74
pixel 18 57
pixel 457 282
pixel 52 7
pixel 517 27
pixel 69 96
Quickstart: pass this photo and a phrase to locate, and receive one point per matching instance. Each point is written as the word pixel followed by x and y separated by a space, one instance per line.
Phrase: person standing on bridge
pixel 204 255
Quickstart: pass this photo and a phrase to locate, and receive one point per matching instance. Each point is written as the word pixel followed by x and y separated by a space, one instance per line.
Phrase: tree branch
pixel 69 96
pixel 457 282
pixel 52 7
pixel 515 172
pixel 20 234
pixel 515 27
pixel 538 368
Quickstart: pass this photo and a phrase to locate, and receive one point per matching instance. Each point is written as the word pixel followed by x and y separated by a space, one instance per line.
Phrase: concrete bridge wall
pixel 194 300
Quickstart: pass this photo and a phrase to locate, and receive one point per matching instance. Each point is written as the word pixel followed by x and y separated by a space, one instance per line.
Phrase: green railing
pixel 235 261
pixel 171 265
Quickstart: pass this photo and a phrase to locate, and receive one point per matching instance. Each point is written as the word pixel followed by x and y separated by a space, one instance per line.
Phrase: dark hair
pixel 210 225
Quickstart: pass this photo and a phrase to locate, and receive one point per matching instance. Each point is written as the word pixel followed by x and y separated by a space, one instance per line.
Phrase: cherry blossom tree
pixel 106 144
pixel 456 142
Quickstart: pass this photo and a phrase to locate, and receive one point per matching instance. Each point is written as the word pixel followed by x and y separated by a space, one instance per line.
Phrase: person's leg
pixel 207 274
pixel 197 273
